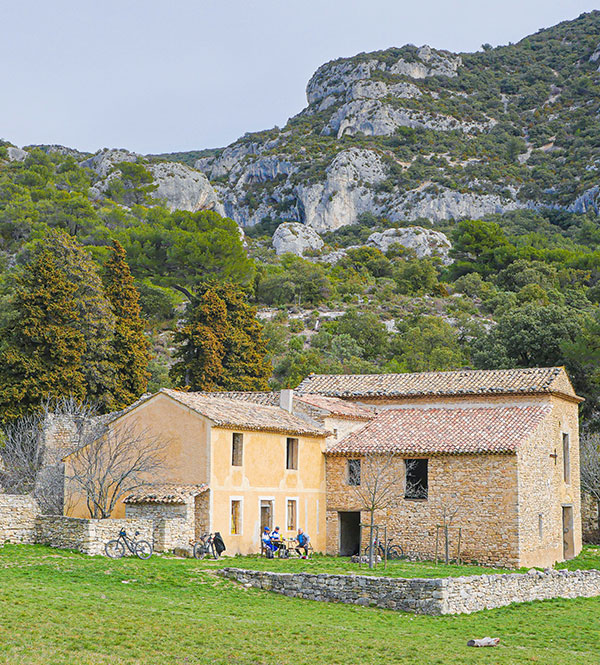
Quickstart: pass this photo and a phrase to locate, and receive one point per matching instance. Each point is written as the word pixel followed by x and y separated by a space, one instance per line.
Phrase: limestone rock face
pixel 345 193
pixel 424 242
pixel 184 188
pixel 16 154
pixel 104 160
pixel 178 185
pixel 295 238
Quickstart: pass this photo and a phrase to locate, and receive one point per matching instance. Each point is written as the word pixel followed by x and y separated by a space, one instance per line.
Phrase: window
pixel 416 482
pixel 236 512
pixel 292 511
pixel 266 514
pixel 237 447
pixel 566 458
pixel 353 472
pixel 291 457
pixel 541 526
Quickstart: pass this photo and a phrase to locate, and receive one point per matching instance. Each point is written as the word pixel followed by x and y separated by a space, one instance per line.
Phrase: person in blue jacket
pixel 302 540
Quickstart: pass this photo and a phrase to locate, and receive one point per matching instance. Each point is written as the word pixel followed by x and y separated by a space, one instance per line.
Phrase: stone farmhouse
pixel 494 453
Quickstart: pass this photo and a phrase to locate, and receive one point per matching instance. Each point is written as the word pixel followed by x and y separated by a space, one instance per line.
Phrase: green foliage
pixel 220 345
pixel 43 344
pixel 130 349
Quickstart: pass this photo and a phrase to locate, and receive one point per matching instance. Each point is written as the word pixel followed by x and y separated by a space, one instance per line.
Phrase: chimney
pixel 286 400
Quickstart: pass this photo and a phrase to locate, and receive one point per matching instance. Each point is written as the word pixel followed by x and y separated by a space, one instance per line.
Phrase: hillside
pixel 410 133
pixel 454 196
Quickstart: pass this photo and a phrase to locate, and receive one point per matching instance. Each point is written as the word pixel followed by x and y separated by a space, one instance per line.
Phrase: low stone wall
pixel 18 513
pixel 450 595
pixel 86 535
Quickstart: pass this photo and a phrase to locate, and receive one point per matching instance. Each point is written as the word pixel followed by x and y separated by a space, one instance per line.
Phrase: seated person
pixel 268 544
pixel 303 540
pixel 276 539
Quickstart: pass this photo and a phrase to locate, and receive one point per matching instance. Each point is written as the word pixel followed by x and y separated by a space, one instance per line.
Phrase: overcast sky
pixel 172 75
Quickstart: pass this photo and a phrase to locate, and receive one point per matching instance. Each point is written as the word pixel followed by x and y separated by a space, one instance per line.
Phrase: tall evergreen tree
pixel 43 345
pixel 221 345
pixel 95 322
pixel 130 348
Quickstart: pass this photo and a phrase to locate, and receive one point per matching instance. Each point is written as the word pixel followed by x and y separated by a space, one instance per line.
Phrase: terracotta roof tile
pixel 266 398
pixel 167 493
pixel 462 382
pixel 448 431
pixel 337 407
pixel 232 413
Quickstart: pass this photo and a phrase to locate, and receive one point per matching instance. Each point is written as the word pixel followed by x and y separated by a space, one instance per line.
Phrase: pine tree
pixel 130 348
pixel 221 346
pixel 43 346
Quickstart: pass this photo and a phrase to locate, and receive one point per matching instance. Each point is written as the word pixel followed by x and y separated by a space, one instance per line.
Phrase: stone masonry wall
pixel 173 523
pixel 590 518
pixel 458 595
pixel 481 488
pixel 86 535
pixel 18 513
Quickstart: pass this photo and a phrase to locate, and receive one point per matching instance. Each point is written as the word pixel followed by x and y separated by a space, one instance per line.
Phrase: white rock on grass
pixel 295 238
pixel 424 242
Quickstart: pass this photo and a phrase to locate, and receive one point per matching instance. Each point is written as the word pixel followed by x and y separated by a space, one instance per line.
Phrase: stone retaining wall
pixel 18 513
pixel 450 595
pixel 85 535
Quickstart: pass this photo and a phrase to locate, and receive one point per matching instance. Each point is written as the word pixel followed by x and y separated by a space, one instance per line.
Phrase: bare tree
pixel 32 447
pixel 589 466
pixel 125 457
pixel 377 488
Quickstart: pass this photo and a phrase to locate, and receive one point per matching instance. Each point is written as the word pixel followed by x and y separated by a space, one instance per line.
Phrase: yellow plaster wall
pixel 185 435
pixel 263 476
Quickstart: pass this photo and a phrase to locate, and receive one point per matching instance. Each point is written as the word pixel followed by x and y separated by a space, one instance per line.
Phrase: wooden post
pixel 458 548
pixel 446 545
pixel 385 548
pixel 437 542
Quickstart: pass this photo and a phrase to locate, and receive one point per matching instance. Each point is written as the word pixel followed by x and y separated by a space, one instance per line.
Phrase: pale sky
pixel 173 75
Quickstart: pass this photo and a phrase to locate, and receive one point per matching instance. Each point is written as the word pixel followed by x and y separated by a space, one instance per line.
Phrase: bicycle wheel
pixel 395 552
pixel 143 549
pixel 200 550
pixel 114 549
pixel 212 551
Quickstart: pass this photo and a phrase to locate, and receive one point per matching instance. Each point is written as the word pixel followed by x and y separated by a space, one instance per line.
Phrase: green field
pixel 59 607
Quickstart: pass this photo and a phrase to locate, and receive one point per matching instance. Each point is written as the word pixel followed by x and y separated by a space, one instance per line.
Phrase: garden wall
pixel 451 595
pixel 87 536
pixel 18 513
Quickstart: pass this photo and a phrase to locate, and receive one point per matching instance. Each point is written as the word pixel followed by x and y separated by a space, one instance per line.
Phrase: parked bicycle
pixel 115 549
pixel 393 551
pixel 205 547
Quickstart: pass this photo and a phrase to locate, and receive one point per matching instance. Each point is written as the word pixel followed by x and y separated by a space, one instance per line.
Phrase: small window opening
pixel 291 514
pixel 416 479
pixel 236 509
pixel 353 472
pixel 541 526
pixel 291 458
pixel 237 447
pixel 566 458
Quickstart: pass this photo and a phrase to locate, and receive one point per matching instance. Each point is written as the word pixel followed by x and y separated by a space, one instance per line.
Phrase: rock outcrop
pixel 295 238
pixel 179 186
pixel 424 242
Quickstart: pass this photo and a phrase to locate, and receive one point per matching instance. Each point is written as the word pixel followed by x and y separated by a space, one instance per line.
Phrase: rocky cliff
pixel 412 133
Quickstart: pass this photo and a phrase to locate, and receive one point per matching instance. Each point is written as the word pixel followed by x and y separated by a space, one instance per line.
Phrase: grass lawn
pixel 60 608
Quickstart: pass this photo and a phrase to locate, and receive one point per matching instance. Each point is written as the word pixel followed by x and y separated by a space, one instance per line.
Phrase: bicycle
pixel 205 546
pixel 115 549
pixel 393 551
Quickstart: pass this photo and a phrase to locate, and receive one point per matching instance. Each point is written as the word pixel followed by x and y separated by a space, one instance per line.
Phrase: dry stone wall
pixel 18 513
pixel 452 595
pixel 85 535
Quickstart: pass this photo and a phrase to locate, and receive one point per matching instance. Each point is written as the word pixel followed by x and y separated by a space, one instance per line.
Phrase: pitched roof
pixel 270 398
pixel 338 407
pixel 166 493
pixel 463 382
pixel 234 414
pixel 449 431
